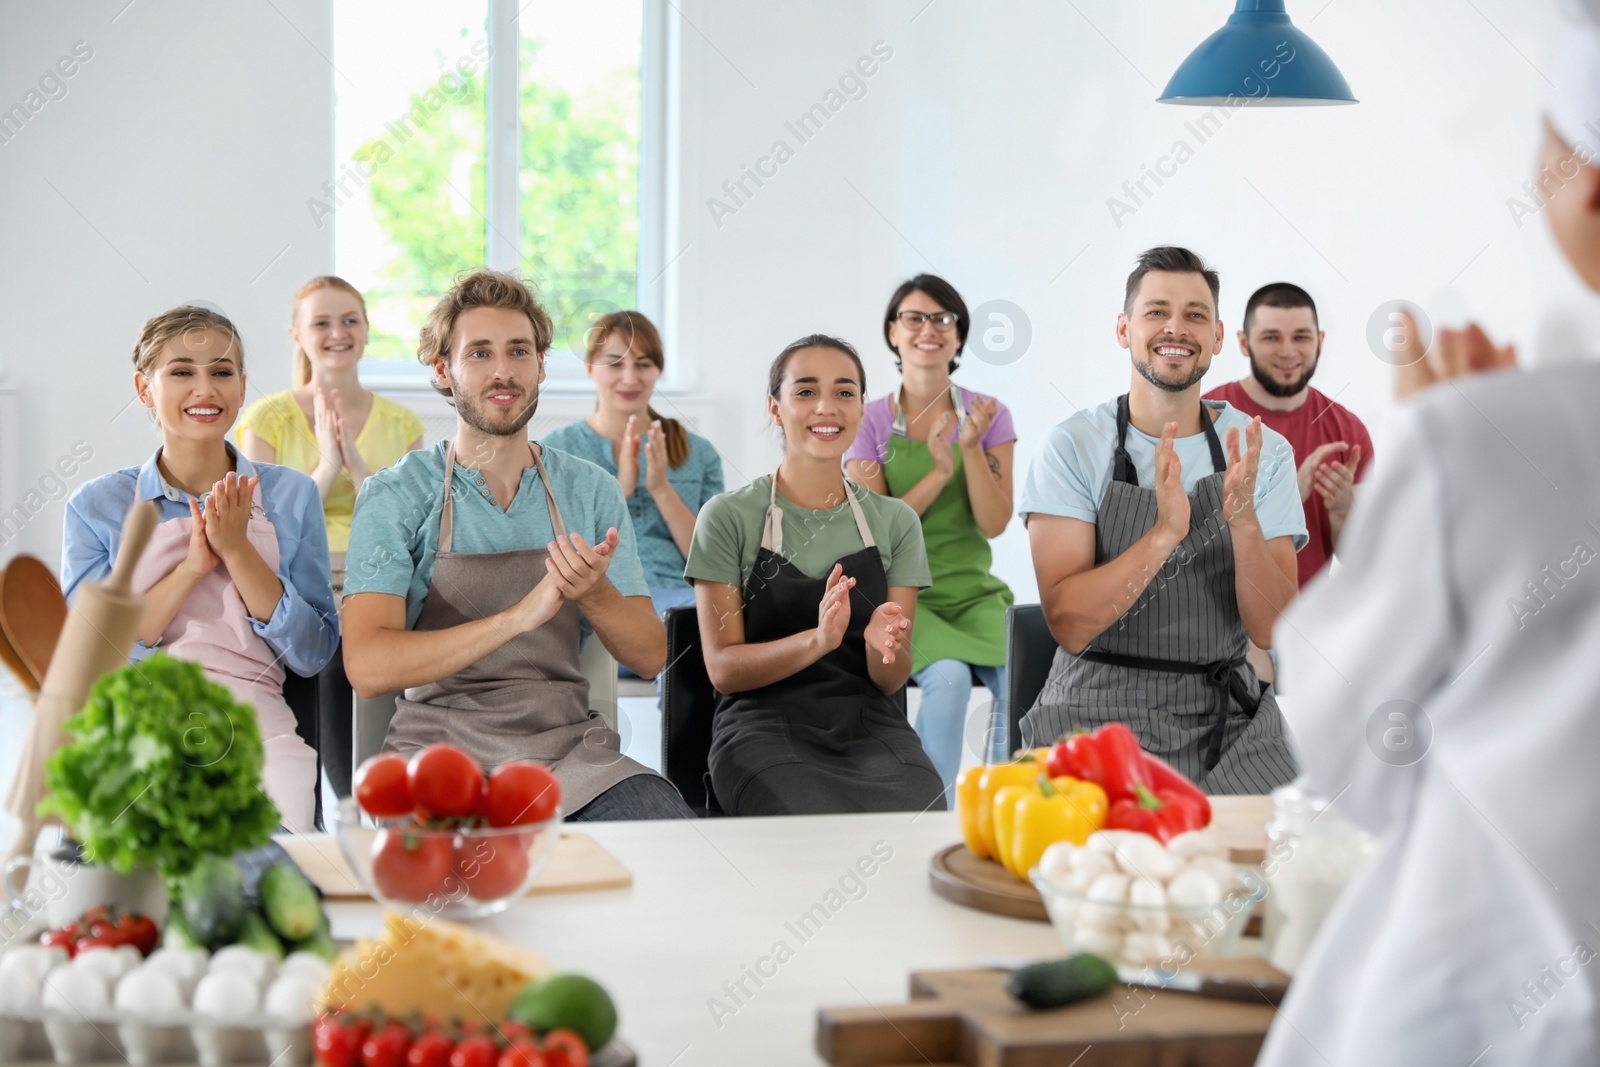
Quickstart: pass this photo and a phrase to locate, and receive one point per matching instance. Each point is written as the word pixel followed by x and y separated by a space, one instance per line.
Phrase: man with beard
pixel 1283 342
pixel 1160 556
pixel 474 564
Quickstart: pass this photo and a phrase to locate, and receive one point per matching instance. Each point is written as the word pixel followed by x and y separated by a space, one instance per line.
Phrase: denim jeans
pixel 644 796
pixel 946 686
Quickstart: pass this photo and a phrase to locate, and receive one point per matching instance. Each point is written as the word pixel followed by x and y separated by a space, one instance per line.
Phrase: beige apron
pixel 527 699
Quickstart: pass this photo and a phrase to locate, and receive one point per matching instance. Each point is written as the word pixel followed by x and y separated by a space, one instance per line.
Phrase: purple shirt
pixel 877 423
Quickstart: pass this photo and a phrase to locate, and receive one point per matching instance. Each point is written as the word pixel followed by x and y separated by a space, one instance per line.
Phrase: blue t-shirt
pixel 1072 471
pixel 698 480
pixel 394 533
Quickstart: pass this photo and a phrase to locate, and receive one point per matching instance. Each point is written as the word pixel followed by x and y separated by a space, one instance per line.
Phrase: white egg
pixel 19 993
pixel 289 1000
pixel 76 991
pixel 184 964
pixel 109 963
pixel 32 962
pixel 227 996
pixel 260 967
pixel 150 993
pixel 305 963
pixel 1194 843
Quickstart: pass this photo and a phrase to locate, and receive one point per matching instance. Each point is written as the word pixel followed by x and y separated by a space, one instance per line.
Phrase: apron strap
pixel 1122 467
pixel 1222 676
pixel 447 523
pixel 900 415
pixel 772 529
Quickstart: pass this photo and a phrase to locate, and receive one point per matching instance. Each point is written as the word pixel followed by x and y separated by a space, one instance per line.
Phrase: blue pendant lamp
pixel 1258 58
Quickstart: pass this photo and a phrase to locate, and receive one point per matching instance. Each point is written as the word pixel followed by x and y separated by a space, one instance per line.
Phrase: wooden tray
pixel 578 862
pixel 966 1017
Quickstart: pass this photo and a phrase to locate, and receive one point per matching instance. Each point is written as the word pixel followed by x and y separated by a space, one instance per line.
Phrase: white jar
pixel 1313 852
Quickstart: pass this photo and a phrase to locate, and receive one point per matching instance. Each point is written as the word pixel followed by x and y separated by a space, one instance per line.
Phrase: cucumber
pixel 212 895
pixel 320 942
pixel 1056 982
pixel 255 933
pixel 288 902
pixel 178 935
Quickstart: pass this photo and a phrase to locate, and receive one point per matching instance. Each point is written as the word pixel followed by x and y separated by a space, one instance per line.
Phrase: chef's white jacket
pixel 1470 588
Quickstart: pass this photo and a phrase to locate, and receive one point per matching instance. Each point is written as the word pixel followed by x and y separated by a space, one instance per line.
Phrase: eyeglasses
pixel 913 320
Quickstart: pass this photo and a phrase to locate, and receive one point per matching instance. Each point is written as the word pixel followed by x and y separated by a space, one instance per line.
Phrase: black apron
pixel 824 740
pixel 1173 667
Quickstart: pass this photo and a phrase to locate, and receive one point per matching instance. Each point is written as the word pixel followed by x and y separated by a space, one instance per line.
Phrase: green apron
pixel 962 616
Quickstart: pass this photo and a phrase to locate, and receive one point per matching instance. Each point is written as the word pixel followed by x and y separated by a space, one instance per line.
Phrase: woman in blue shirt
pixel 625 436
pixel 236 574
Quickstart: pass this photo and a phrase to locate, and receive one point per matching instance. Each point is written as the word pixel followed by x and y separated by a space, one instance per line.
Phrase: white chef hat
pixel 1575 100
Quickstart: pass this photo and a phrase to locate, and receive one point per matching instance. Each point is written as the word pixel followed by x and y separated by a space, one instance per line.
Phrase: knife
pixel 1255 990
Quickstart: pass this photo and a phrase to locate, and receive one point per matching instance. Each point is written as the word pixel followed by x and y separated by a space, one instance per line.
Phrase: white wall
pixel 985 149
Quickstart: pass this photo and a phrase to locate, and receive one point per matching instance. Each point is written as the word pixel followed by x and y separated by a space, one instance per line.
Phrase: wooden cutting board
pixel 578 862
pixel 966 1017
pixel 959 876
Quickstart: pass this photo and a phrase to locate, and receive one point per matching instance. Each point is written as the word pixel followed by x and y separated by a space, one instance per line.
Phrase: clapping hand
pixel 227 514
pixel 833 612
pixel 577 566
pixel 628 457
pixel 888 631
pixel 1336 483
pixel 201 560
pixel 1454 354
pixel 656 466
pixel 1172 501
pixel 1239 483
pixel 979 419
pixel 944 457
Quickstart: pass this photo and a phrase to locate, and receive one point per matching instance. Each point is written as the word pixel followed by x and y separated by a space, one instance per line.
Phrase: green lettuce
pixel 163 769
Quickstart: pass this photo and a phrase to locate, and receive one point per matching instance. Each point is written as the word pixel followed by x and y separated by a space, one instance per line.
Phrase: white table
pixel 711 898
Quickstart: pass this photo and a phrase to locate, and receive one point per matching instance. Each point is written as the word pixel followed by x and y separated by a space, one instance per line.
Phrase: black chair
pixel 1030 650
pixel 688 703
pixel 336 702
pixel 301 695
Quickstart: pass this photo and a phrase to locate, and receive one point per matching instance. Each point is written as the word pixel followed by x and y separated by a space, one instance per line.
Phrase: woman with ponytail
pixel 665 471
pixel 329 425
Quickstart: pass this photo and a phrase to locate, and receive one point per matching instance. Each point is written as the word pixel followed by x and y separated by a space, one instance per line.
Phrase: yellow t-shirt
pixel 278 421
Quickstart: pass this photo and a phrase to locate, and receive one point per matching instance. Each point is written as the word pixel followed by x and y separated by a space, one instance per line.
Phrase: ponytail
pixel 677 439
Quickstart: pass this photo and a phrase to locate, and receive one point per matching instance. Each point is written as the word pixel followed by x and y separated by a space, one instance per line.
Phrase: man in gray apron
pixel 473 564
pixel 1160 555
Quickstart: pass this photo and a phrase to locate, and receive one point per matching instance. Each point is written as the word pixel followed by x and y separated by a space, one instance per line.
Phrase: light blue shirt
pixel 304 628
pixel 394 534
pixel 1071 472
pixel 698 480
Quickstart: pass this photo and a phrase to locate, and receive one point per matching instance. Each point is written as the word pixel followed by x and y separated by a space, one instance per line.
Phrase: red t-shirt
pixel 1314 423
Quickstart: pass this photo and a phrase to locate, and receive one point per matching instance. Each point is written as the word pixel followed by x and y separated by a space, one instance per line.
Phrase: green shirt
pixel 727 536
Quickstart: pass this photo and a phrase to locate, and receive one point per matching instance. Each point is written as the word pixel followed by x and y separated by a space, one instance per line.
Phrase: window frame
pixel 655 287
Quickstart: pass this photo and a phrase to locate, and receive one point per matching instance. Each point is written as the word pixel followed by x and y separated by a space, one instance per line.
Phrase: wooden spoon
pixel 32 612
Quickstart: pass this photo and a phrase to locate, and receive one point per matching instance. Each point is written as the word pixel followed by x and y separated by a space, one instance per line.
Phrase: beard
pixel 1151 374
pixel 1264 378
pixel 497 422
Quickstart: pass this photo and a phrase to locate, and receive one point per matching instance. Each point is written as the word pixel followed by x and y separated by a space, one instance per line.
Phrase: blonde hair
pixel 479 289
pixel 169 325
pixel 302 362
pixel 643 339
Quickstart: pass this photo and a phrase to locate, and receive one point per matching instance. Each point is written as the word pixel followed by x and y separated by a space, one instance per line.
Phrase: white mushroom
pixel 1143 855
pixel 1108 840
pixel 1101 942
pixel 1092 861
pixel 1194 843
pixel 1150 911
pixel 1103 908
pixel 1056 863
pixel 1193 889
pixel 1146 948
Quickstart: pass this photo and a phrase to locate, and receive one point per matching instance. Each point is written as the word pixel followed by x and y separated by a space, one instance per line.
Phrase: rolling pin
pixel 100 632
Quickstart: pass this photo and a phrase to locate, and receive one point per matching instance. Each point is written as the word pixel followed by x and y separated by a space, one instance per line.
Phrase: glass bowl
pixel 454 874
pixel 1141 935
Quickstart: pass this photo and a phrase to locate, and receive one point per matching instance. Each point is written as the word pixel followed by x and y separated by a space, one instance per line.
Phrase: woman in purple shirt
pixel 946 451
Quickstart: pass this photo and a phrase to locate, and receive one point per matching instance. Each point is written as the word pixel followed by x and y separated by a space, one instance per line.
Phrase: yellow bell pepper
pixel 1059 809
pixel 1005 810
pixel 967 809
pixel 995 777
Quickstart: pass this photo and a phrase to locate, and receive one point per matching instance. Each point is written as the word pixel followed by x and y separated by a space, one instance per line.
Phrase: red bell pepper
pixel 1163 815
pixel 1077 757
pixel 1163 778
pixel 1122 772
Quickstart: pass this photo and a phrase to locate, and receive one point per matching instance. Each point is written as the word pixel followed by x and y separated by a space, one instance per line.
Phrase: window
pixel 484 131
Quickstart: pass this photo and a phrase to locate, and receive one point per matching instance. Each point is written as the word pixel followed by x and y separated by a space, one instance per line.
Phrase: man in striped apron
pixel 1161 554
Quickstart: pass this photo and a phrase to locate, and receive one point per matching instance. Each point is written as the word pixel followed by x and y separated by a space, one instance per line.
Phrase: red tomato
pixel 98 913
pixel 109 939
pixel 519 793
pixel 337 1039
pixel 411 864
pixel 565 1048
pixel 381 786
pixel 139 931
pixel 445 782
pixel 493 866
pixel 430 1050
pixel 64 938
pixel 475 1052
pixel 386 1047
pixel 510 1032
pixel 522 1053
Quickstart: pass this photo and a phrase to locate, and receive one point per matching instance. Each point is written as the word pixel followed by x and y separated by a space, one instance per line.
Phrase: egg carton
pixel 124 1038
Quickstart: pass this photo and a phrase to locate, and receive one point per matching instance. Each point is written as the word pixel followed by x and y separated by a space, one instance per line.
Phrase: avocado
pixel 255 933
pixel 289 903
pixel 212 897
pixel 1056 982
pixel 571 1001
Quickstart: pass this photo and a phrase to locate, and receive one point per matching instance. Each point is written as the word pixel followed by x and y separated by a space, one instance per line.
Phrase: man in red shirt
pixel 1283 342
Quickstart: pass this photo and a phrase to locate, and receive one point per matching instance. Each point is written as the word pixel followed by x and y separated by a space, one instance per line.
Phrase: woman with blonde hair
pixel 235 577
pixel 626 437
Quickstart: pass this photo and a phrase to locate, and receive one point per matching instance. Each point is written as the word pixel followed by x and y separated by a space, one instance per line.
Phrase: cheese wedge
pixel 432 966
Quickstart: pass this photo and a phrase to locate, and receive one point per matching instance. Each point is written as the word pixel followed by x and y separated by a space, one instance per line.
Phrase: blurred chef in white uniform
pixel 1473 935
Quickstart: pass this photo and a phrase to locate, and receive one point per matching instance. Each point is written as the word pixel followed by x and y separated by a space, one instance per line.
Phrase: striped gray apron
pixel 1173 667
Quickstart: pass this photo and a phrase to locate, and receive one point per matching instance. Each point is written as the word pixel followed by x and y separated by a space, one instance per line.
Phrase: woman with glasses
pixel 946 451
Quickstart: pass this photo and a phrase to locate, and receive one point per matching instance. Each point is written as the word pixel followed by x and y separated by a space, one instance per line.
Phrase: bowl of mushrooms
pixel 1129 898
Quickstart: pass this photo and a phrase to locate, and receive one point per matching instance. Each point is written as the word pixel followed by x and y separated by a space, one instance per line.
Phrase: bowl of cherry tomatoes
pixel 439 830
